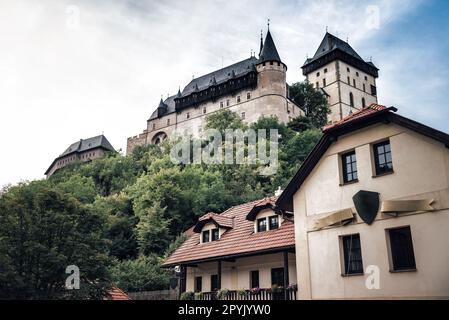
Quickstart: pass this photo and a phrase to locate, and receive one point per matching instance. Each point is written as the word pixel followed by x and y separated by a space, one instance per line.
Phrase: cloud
pixel 73 69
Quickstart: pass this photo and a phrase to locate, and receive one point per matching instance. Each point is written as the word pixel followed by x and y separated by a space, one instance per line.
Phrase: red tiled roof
pixel 239 240
pixel 259 206
pixel 117 294
pixel 371 109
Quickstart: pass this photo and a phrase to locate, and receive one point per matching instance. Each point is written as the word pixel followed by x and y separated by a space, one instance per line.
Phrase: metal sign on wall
pixel 367 205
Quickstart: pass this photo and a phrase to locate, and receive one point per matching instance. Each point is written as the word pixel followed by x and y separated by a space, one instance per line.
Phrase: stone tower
pixel 346 79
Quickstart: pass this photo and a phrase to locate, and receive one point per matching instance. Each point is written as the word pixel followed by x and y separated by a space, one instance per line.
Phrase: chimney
pixel 278 192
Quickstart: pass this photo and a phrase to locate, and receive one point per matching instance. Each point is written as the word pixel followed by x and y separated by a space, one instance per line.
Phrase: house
pixel 84 150
pixel 371 210
pixel 247 247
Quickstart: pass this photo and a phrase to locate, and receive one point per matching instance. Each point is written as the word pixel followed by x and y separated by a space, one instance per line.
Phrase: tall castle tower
pixel 348 81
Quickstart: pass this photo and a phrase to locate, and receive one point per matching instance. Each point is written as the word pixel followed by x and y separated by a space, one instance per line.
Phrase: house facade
pixel 371 210
pixel 248 249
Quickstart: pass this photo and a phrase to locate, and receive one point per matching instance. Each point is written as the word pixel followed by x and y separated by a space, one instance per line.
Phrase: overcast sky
pixel 75 69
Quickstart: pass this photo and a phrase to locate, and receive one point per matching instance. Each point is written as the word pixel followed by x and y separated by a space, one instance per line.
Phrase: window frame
pixel 344 168
pixel 377 170
pixel 345 257
pixel 205 232
pixel 392 255
pixel 252 275
pixel 213 231
pixel 214 279
pixel 258 225
pixel 198 284
pixel 281 272
pixel 277 222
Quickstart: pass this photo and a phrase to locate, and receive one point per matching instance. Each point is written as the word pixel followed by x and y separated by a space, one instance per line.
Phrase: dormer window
pixel 206 236
pixel 262 225
pixel 274 222
pixel 215 234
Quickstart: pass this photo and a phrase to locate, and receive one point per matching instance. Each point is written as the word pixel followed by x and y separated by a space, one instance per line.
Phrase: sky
pixel 80 68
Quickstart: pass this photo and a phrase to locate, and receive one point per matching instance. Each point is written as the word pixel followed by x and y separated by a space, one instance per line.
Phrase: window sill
pixel 352 275
pixel 349 183
pixel 383 174
pixel 405 270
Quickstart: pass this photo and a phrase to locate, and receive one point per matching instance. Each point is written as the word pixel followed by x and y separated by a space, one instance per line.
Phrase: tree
pixel 311 101
pixel 300 124
pixel 224 119
pixel 42 232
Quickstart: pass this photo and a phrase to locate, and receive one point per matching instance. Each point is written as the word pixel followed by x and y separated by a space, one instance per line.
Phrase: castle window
pixel 352 254
pixel 373 90
pixel 366 78
pixel 353 81
pixel 325 70
pixel 349 70
pixel 279 64
pixel 324 82
pixel 349 166
pixel 243 115
pixel 363 102
pixel 248 96
pixel 204 110
pixel 364 88
pixel 168 122
pixel 263 64
pixel 221 104
pixel 188 115
pixel 238 99
pixel 317 85
pixel 349 80
pixel 351 99
pixel 357 74
pixel 227 103
pixel 154 126
pixel 317 74
pixel 271 63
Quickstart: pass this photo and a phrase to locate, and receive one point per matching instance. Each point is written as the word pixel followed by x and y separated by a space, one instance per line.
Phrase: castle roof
pixel 269 51
pixel 84 145
pixel 332 47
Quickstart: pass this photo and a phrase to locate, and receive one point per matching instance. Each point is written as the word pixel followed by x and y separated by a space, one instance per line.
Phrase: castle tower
pixel 348 81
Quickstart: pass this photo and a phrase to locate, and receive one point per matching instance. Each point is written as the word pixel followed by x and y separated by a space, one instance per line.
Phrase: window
pixel 366 78
pixel 206 236
pixel 373 90
pixel 254 279
pixel 214 282
pixel 248 95
pixel 261 225
pixel 363 103
pixel 353 81
pixel 221 104
pixel 154 126
pixel 352 252
pixel 271 63
pixel 238 99
pixel 357 74
pixel 168 122
pixel 204 110
pixel 382 158
pixel 215 234
pixel 198 284
pixel 227 103
pixel 317 85
pixel 349 165
pixel 347 69
pixel 364 88
pixel 351 99
pixel 349 80
pixel 401 249
pixel 274 222
pixel 324 82
pixel 243 115
pixel 317 74
pixel 188 115
pixel 325 70
pixel 277 277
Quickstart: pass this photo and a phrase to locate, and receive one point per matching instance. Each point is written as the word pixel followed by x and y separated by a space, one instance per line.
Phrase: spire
pixel 162 104
pixel 269 51
pixel 179 92
pixel 261 42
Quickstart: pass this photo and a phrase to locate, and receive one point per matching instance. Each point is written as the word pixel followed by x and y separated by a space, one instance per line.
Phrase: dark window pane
pixel 214 282
pixel 198 284
pixel 277 277
pixel 274 222
pixel 401 245
pixel 215 234
pixel 262 225
pixel 254 279
pixel 206 236
pixel 350 169
pixel 352 254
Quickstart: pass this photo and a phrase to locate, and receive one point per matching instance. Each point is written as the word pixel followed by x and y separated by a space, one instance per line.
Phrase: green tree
pixel 300 124
pixel 82 188
pixel 224 119
pixel 313 102
pixel 42 231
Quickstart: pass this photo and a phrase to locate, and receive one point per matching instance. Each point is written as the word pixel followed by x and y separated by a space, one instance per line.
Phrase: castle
pixel 257 87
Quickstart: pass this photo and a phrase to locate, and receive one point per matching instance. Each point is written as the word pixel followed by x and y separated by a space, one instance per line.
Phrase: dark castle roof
pixel 269 51
pixel 84 145
pixel 332 47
